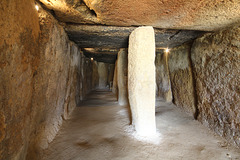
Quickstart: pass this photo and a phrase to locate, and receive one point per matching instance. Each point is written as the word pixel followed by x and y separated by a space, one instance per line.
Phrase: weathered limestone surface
pixel 122 75
pixel 19 60
pixel 216 64
pixel 182 78
pixel 181 14
pixel 141 80
pixel 103 75
pixel 162 76
pixel 55 83
pixel 115 83
pixel 61 81
pixel 39 79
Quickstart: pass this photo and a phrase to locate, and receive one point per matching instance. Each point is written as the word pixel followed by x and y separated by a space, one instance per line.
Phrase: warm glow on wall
pixel 91 59
pixel 37 8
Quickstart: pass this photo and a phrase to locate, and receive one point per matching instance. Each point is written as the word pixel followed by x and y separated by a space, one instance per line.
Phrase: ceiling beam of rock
pixel 96 36
pixel 106 55
pixel 207 15
pixel 75 11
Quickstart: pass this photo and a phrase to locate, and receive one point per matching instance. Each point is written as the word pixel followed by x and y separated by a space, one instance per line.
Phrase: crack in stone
pixel 172 36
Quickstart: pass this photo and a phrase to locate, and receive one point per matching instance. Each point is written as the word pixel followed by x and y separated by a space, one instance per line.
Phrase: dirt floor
pixel 99 130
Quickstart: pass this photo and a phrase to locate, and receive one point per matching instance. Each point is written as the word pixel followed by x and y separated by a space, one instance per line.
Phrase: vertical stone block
pixel 103 74
pixel 111 68
pixel 115 87
pixel 122 77
pixel 141 80
pixel 182 83
pixel 95 77
pixel 216 69
pixel 162 76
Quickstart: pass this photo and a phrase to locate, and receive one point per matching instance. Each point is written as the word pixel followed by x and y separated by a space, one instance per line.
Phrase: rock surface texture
pixel 178 14
pixel 39 85
pixel 216 63
pixel 19 61
pixel 182 79
pixel 55 82
pixel 122 76
pixel 141 80
pixel 163 83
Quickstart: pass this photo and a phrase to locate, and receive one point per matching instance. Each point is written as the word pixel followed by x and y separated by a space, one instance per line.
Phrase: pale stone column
pixel 103 74
pixel 111 68
pixel 115 87
pixel 141 80
pixel 122 77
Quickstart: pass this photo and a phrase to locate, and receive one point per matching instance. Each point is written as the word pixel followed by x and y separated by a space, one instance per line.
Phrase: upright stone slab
pixel 103 75
pixel 180 71
pixel 111 68
pixel 122 77
pixel 162 76
pixel 115 87
pixel 141 80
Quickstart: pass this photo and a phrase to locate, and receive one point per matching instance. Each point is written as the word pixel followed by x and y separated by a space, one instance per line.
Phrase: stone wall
pixel 163 85
pixel 89 76
pixel 54 82
pixel 19 61
pixel 182 79
pixel 216 66
pixel 41 76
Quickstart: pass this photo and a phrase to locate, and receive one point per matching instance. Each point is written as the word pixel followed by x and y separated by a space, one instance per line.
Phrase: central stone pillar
pixel 141 80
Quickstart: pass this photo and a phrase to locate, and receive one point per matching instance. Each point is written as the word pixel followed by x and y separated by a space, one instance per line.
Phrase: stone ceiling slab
pixel 207 15
pixel 95 36
pixel 106 55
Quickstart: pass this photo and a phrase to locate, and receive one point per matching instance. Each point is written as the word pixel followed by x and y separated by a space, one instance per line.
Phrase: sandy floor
pixel 99 130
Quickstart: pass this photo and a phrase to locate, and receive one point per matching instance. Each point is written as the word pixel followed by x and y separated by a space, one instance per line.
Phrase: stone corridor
pixel 85 79
pixel 99 130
